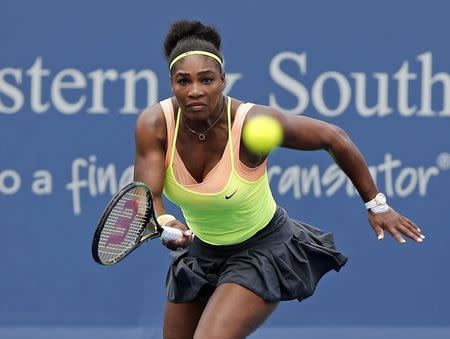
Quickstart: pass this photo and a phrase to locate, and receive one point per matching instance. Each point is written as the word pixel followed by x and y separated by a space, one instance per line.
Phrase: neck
pixel 201 133
pixel 217 112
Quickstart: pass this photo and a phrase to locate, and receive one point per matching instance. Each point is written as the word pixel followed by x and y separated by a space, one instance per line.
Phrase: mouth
pixel 196 105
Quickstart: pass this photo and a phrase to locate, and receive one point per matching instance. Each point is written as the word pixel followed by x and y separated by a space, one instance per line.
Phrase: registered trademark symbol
pixel 443 161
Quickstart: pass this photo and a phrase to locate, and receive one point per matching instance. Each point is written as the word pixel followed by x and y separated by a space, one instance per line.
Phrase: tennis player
pixel 247 254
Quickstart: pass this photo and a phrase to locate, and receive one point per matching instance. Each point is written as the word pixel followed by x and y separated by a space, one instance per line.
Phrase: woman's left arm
pixel 304 133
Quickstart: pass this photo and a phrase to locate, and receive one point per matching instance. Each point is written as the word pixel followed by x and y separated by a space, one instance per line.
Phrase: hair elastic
pixel 185 54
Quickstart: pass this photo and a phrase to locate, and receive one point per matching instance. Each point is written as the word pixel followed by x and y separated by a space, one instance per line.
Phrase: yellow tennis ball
pixel 262 133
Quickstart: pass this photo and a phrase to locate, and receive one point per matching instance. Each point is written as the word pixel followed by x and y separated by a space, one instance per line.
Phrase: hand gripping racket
pixel 128 222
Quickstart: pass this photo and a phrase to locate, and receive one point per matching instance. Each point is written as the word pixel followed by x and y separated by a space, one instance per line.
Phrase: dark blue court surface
pixel 263 333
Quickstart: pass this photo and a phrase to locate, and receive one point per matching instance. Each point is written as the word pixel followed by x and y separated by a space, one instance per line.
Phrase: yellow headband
pixel 185 54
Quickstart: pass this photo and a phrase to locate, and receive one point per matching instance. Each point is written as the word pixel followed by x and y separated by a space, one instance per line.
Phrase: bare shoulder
pixel 151 126
pixel 300 132
pixel 151 117
pixel 151 121
pixel 258 109
pixel 235 103
pixel 287 120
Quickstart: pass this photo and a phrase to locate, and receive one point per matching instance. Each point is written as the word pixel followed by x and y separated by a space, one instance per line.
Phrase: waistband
pixel 273 232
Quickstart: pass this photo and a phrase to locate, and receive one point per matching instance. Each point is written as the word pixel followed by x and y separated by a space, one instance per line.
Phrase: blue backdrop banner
pixel 74 76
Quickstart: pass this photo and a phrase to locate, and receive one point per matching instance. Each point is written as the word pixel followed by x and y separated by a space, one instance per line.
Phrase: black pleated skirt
pixel 283 261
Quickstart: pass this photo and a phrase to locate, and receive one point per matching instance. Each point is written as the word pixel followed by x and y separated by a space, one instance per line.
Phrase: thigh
pixel 233 312
pixel 180 320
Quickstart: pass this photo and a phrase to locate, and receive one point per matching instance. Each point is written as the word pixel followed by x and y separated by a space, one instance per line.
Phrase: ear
pixel 224 80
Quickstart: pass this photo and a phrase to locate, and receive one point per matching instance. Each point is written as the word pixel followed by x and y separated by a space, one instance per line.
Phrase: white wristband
pixel 378 204
pixel 380 208
pixel 164 219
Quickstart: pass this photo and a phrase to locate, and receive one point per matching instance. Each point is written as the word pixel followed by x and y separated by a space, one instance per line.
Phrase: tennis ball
pixel 262 133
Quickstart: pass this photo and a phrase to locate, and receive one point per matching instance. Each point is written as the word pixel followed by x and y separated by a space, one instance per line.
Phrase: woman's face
pixel 197 85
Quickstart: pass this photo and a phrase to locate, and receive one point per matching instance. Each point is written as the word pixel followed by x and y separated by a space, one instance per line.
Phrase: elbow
pixel 338 140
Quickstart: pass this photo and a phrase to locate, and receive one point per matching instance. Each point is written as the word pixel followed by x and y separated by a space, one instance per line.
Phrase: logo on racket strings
pixel 123 223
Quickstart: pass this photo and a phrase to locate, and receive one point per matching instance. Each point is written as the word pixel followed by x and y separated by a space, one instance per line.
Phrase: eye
pixel 182 82
pixel 207 81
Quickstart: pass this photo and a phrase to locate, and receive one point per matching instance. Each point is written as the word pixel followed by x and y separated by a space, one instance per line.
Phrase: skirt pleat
pixel 283 261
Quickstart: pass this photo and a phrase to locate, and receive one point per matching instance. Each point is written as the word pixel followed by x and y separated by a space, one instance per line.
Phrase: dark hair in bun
pixel 185 35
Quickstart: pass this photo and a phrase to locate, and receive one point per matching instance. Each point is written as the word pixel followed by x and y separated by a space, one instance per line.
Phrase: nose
pixel 195 90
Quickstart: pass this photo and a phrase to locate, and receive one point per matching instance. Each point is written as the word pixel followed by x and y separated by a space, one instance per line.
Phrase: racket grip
pixel 171 233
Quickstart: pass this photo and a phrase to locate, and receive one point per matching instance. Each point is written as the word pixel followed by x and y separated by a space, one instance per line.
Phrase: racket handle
pixel 171 233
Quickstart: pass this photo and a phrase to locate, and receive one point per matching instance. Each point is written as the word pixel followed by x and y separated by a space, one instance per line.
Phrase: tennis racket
pixel 128 221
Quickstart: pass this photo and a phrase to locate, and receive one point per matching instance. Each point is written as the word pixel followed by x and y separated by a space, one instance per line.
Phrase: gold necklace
pixel 201 135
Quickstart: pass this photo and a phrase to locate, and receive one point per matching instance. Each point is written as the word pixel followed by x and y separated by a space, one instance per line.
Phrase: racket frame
pixel 144 237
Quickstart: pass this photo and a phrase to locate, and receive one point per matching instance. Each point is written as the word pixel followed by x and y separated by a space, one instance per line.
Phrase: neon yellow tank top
pixel 227 213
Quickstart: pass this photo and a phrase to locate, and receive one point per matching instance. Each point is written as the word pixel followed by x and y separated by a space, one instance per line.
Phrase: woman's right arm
pixel 150 146
pixel 149 164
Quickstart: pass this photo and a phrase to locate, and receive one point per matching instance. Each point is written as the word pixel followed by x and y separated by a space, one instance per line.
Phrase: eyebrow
pixel 205 72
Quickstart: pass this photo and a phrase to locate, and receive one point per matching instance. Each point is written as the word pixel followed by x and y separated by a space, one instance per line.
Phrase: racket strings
pixel 124 225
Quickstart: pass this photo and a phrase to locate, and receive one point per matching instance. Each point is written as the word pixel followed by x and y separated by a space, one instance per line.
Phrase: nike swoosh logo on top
pixel 229 196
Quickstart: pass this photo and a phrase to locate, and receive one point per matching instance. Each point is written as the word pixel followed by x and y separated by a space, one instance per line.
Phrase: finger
pixel 406 223
pixel 409 233
pixel 170 242
pixel 179 243
pixel 396 235
pixel 172 245
pixel 378 232
pixel 413 225
pixel 410 223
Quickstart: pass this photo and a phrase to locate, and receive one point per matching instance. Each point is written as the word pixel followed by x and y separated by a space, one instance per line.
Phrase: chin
pixel 197 113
